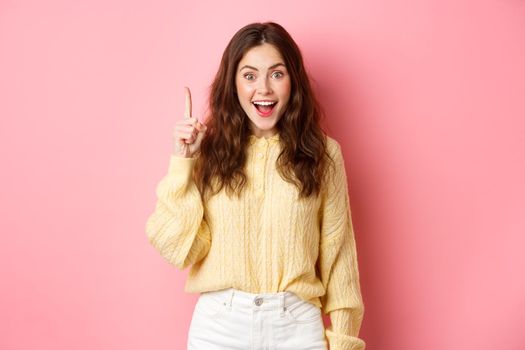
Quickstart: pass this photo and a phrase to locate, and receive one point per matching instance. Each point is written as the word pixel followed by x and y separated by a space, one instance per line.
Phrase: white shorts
pixel 234 319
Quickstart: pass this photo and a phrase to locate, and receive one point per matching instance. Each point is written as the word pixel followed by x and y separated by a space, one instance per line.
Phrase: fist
pixel 188 132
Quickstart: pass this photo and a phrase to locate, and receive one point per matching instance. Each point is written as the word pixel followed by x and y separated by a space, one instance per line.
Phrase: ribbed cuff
pixel 181 167
pixel 338 341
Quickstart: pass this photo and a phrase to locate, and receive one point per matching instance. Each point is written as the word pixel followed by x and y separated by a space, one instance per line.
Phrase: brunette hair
pixel 222 154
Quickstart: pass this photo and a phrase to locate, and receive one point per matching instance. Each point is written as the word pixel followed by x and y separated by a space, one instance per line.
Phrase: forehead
pixel 262 56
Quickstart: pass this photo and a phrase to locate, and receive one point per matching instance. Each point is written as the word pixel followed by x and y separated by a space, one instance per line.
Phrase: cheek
pixel 284 89
pixel 285 93
pixel 244 92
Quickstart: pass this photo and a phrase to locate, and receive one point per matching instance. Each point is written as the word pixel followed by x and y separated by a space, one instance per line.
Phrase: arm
pixel 177 228
pixel 337 262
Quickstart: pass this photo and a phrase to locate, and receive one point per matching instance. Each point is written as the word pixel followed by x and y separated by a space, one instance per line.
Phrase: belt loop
pixel 232 291
pixel 281 304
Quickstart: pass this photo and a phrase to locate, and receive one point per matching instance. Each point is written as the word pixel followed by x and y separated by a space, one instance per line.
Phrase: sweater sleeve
pixel 337 261
pixel 177 228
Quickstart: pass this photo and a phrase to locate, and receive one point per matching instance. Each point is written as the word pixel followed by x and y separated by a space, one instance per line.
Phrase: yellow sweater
pixel 267 241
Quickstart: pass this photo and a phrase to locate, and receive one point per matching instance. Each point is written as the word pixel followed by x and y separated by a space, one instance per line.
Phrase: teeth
pixel 264 103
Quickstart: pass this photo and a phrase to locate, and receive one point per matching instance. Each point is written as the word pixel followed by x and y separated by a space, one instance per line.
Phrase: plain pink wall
pixel 426 97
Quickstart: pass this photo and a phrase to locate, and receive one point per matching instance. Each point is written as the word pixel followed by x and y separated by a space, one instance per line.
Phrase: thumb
pixel 202 127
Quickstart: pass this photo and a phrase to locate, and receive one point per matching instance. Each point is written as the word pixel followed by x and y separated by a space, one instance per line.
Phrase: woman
pixel 256 201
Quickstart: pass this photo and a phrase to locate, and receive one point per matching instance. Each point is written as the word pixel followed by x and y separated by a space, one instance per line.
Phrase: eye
pixel 248 76
pixel 280 74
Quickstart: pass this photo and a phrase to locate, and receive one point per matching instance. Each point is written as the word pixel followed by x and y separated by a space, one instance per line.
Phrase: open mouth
pixel 264 108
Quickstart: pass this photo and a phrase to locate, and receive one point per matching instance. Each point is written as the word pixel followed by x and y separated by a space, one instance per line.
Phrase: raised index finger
pixel 187 109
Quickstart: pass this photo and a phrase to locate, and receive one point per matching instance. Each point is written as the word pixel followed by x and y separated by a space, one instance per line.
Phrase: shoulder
pixel 333 147
pixel 335 163
pixel 334 171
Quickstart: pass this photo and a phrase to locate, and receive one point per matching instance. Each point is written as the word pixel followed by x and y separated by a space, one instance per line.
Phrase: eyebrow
pixel 271 67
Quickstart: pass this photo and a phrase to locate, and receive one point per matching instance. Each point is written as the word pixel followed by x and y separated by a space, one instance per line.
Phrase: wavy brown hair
pixel 222 154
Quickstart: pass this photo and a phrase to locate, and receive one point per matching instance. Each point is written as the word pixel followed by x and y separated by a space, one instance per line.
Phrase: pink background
pixel 426 98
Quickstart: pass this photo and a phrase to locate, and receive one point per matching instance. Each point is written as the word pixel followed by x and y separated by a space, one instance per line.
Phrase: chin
pixel 265 126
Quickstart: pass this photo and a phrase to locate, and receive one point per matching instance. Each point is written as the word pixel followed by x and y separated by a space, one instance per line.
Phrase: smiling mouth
pixel 264 108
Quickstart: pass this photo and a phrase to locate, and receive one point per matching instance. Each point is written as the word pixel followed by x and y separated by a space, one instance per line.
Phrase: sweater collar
pixel 273 139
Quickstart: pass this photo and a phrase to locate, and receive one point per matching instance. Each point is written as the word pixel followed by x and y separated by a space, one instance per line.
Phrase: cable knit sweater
pixel 268 240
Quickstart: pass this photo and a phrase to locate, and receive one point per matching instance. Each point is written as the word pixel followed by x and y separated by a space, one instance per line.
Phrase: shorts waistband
pixel 263 301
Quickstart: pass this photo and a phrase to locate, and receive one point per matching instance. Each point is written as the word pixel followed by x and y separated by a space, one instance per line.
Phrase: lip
pixel 264 115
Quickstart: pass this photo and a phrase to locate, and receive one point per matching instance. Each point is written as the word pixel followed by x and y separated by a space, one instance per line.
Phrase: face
pixel 263 88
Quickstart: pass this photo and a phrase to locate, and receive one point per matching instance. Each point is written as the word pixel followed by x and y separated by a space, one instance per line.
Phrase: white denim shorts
pixel 234 319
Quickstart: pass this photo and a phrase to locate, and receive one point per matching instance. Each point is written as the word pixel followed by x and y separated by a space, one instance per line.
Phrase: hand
pixel 189 132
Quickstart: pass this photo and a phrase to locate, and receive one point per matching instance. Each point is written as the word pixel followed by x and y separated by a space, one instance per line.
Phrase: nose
pixel 264 87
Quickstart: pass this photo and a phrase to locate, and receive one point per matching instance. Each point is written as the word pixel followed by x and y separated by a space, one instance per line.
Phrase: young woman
pixel 256 201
